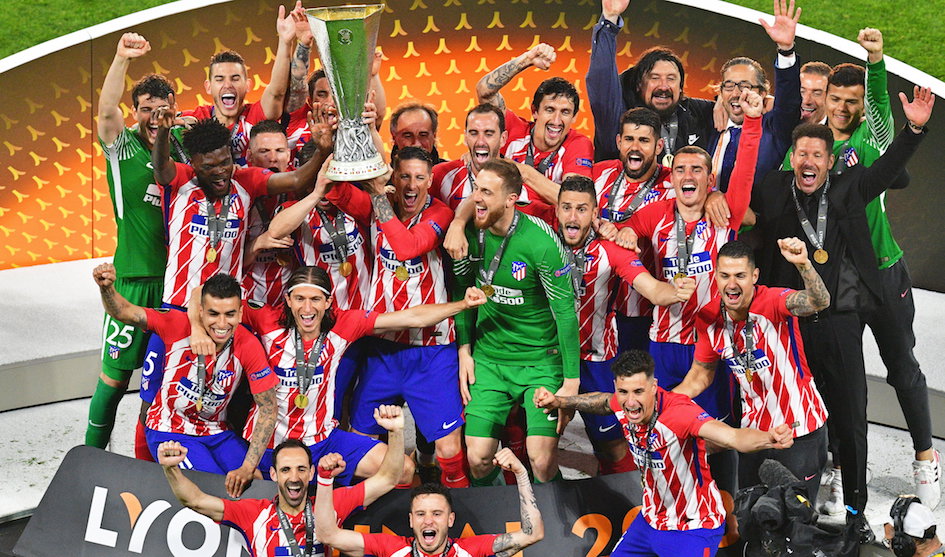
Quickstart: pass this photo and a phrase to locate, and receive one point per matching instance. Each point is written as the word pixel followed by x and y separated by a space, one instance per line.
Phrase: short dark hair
pixel 745 61
pixel 817 131
pixel 737 249
pixel 817 68
pixel 641 116
pixel 307 275
pixel 221 286
pixel 632 362
pixel 507 172
pixel 486 108
pixel 316 75
pixel 411 153
pixel 403 108
pixel 579 184
pixel 696 150
pixel 648 60
pixel 555 87
pixel 223 57
pixel 431 488
pixel 291 444
pixel 266 126
pixel 153 85
pixel 847 75
pixel 206 136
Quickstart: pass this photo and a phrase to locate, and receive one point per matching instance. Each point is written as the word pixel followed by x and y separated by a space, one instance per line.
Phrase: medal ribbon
pixel 414 221
pixel 530 157
pixel 648 444
pixel 578 261
pixel 668 132
pixel 748 360
pixel 415 551
pixel 202 371
pixel 816 238
pixel 216 224
pixel 683 245
pixel 290 533
pixel 336 230
pixel 488 275
pixel 637 199
pixel 304 364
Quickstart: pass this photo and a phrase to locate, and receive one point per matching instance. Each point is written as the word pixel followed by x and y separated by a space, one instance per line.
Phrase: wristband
pixel 789 52
pixel 915 128
pixel 324 477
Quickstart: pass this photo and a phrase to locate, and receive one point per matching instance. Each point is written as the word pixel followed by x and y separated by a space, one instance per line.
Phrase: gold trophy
pixel 346 37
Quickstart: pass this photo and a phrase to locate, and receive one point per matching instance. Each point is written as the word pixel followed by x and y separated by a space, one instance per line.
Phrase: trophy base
pixel 354 171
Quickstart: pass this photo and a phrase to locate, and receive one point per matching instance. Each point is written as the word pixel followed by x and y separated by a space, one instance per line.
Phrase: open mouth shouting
pixel 480 155
pixel 689 189
pixel 554 133
pixel 634 413
pixel 295 490
pixel 428 536
pixel 808 178
pixel 572 233
pixel 662 98
pixel 732 297
pixel 228 100
pixel 634 164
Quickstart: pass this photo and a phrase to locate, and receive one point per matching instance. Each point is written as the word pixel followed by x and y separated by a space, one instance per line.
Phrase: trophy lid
pixel 341 13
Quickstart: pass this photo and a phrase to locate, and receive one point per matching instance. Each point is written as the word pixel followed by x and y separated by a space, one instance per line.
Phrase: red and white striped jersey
pixel 313 247
pixel 258 521
pixel 185 205
pixel 608 176
pixel 411 249
pixel 781 389
pixel 174 409
pixel 656 221
pixel 606 264
pixel 451 183
pixel 574 156
pixel 389 545
pixel 314 422
pixel 265 278
pixel 251 115
pixel 297 131
pixel 679 492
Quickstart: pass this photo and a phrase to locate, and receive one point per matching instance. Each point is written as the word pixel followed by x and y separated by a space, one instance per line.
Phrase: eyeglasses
pixel 728 85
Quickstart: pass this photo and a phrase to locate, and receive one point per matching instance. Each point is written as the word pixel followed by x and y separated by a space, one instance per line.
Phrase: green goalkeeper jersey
pixel 531 315
pixel 141 249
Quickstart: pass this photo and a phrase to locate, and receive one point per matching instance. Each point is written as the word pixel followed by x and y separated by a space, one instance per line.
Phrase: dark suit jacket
pixel 847 229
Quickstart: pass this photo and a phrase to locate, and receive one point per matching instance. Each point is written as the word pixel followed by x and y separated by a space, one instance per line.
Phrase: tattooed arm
pixel 815 296
pixel 595 403
pixel 298 84
pixel 487 90
pixel 115 304
pixel 239 479
pixel 533 527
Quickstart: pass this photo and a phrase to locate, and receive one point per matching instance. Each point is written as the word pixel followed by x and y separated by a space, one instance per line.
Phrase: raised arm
pixel 815 296
pixel 738 195
pixel 698 379
pixel 595 403
pixel 487 90
pixel 115 304
pixel 302 177
pixel 274 96
pixel 604 90
pixel 427 315
pixel 391 418
pixel 533 527
pixel 164 168
pixel 746 439
pixel 327 531
pixel 110 120
pixel 301 60
pixel 170 454
pixel 879 116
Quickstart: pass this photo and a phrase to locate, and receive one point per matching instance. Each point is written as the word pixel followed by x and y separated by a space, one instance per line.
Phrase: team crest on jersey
pixel 519 268
pixel 113 352
pixel 701 227
pixel 850 158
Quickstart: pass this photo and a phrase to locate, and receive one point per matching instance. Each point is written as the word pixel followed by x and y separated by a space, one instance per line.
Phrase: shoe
pixel 927 474
pixel 864 531
pixel 833 504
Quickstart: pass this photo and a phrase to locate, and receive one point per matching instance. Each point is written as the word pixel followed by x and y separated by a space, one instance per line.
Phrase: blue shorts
pixel 152 367
pixel 673 361
pixel 351 362
pixel 351 446
pixel 425 377
pixel 633 332
pixel 217 453
pixel 596 377
pixel 641 540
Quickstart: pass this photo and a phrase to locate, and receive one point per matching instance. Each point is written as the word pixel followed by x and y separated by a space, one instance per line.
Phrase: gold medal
pixel 212 254
pixel 401 273
pixel 820 256
pixel 199 405
pixel 345 268
pixel 488 290
pixel 679 275
pixel 749 374
pixel 301 400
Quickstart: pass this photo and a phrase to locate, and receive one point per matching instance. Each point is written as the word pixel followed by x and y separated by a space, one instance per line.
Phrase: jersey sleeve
pixel 464 276
pixel 347 500
pixel 255 113
pixel 879 117
pixel 254 362
pixel 184 173
pixel 776 303
pixel 478 546
pixel 738 194
pixel 165 322
pixel 579 156
pixel 356 202
pixel 624 262
pixel 686 418
pixel 604 91
pixel 354 324
pixel 383 545
pixel 516 126
pixel 554 274
pixel 262 319
pixel 614 405
pixel 254 179
pixel 241 513
pixel 643 221
pixel 705 352
pixel 417 240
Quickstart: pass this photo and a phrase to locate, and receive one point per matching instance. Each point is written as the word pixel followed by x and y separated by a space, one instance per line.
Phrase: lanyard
pixel 816 238
pixel 748 360
pixel 530 157
pixel 488 275
pixel 415 551
pixel 202 374
pixel 304 364
pixel 668 132
pixel 290 533
pixel 216 223
pixel 578 262
pixel 339 238
pixel 648 443
pixel 620 216
pixel 683 246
